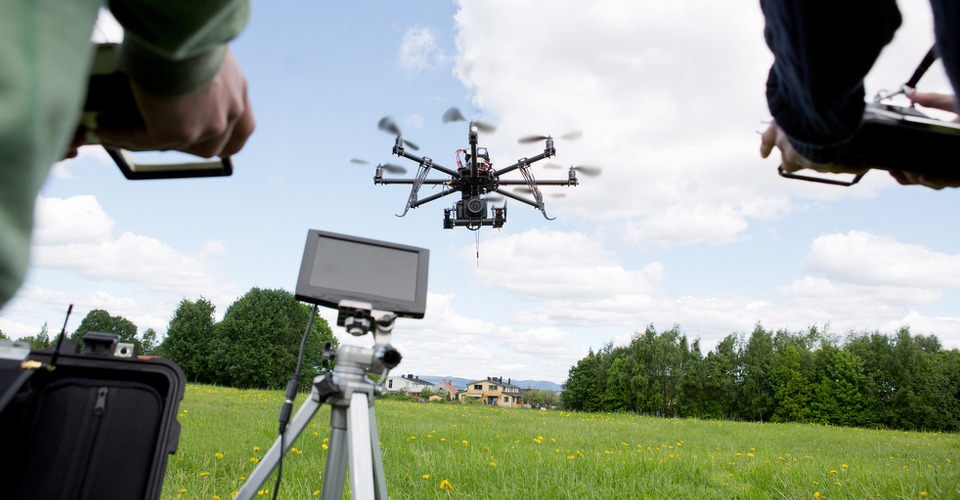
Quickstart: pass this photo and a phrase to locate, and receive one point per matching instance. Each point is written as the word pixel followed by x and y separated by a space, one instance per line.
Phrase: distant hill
pixel 461 383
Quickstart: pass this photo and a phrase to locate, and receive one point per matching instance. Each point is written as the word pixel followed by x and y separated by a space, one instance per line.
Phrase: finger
pixel 767 140
pixel 935 100
pixel 903 178
pixel 241 130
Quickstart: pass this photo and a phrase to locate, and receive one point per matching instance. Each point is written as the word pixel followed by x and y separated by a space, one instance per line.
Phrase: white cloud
pixel 78 218
pixel 866 259
pixel 419 50
pixel 552 264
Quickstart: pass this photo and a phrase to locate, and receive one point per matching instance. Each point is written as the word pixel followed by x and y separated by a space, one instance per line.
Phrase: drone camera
pixel 475 207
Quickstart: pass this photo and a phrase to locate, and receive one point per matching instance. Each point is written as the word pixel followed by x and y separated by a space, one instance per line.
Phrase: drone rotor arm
pixel 399 151
pixel 433 197
pixel 547 153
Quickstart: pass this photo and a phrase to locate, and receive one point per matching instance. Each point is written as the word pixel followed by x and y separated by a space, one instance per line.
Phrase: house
pixel 494 392
pixel 446 389
pixel 407 384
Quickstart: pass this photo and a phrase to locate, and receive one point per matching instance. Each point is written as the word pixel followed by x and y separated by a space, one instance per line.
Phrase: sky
pixel 687 226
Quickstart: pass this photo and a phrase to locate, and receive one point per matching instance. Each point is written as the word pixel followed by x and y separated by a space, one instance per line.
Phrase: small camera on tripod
pixel 370 283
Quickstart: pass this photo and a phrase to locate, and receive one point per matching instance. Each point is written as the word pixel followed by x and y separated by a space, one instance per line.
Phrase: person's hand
pixel 791 160
pixel 945 102
pixel 215 120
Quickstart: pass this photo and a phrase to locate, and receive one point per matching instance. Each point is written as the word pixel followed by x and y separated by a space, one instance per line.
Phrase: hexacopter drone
pixel 475 178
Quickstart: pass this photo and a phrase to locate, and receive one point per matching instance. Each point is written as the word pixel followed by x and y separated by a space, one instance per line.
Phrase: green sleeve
pixel 173 47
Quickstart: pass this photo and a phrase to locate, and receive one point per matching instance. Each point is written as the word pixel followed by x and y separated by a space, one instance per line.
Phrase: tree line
pixel 899 381
pixel 254 346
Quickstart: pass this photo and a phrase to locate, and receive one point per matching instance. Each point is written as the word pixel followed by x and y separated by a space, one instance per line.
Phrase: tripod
pixel 353 425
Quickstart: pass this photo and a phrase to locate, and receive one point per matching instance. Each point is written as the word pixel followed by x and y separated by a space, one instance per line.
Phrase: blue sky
pixel 687 225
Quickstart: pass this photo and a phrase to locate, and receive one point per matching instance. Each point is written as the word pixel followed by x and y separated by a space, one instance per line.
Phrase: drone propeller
pixel 527 190
pixel 583 169
pixel 454 115
pixel 569 136
pixel 386 167
pixel 393 169
pixel 389 126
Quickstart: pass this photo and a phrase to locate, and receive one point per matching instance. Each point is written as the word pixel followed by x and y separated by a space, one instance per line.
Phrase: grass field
pixel 466 451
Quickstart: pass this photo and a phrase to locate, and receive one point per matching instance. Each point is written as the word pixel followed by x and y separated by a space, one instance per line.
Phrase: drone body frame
pixel 474 178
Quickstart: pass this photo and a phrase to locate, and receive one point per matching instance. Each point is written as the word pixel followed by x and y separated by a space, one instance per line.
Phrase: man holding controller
pixel 188 87
pixel 822 52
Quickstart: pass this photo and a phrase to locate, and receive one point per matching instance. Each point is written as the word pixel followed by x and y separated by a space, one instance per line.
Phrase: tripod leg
pixel 361 451
pixel 378 474
pixel 272 457
pixel 335 473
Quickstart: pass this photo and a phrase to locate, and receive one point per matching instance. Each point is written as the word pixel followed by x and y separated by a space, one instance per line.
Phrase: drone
pixel 475 177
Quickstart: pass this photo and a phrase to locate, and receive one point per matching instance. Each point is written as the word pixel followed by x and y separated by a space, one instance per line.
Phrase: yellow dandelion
pixel 262 493
pixel 411 438
pixel 324 446
pixel 739 454
pixel 204 474
pixel 832 472
pixel 254 460
pixel 446 485
pixel 816 495
pixel 492 464
pixel 443 440
pixel 426 476
pixel 844 466
pixel 837 483
pixel 570 457
pixel 218 455
pixel 256 448
pixel 923 494
pixel 242 478
pixel 465 442
pixel 216 497
pixel 183 490
pixel 750 455
pixel 316 493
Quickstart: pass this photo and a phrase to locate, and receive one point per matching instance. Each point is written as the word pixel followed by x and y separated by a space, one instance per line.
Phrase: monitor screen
pixel 388 276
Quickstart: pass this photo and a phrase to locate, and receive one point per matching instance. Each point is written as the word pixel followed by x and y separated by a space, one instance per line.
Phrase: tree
pixel 190 335
pixel 758 402
pixel 792 388
pixel 541 399
pixel 40 341
pixel 257 342
pixel 99 320
pixel 149 342
pixel 721 381
pixel 581 390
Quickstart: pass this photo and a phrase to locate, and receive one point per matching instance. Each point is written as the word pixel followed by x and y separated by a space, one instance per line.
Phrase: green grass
pixel 492 453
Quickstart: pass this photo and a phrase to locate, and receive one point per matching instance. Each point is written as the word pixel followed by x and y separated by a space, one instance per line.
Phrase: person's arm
pixel 189 88
pixel 822 51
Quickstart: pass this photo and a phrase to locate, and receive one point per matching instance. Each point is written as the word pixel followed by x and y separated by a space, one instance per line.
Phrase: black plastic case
pixel 98 426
